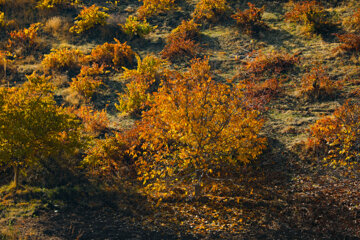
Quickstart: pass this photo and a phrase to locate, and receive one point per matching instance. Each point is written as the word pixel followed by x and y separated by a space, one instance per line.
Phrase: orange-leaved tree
pixel 33 127
pixel 195 130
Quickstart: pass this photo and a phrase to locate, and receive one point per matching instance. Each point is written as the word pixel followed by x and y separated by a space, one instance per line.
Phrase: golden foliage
pixel 112 54
pixel 48 4
pixel 62 59
pixel 136 27
pixel 250 20
pixel 25 38
pixel 210 10
pixel 337 137
pixel 154 7
pixel 94 122
pixel 196 128
pixel 143 82
pixel 88 18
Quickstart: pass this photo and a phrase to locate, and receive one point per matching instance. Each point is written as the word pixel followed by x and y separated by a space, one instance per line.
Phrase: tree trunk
pixel 16 177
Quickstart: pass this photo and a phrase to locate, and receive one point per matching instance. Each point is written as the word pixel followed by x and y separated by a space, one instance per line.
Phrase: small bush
pixel 112 54
pixel 337 137
pixel 134 27
pixel 144 81
pixel 88 18
pixel 352 23
pixel 154 7
pixel 210 10
pixel 186 30
pixel 25 38
pixel 309 13
pixel 180 49
pixel 86 82
pixel 317 84
pixel 49 4
pixel 94 122
pixel 250 20
pixel 57 26
pixel 258 93
pixel 274 62
pixel 62 59
pixel 349 42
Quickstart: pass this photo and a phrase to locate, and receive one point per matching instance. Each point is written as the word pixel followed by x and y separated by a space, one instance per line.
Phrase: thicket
pixel 250 20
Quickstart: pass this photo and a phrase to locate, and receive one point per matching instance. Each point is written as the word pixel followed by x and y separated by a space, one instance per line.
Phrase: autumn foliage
pixel 349 42
pixel 25 38
pixel 336 138
pixel 88 18
pixel 274 62
pixel 310 14
pixel 33 127
pixel 196 129
pixel 210 10
pixel 143 82
pixel 250 20
pixel 317 84
pixel 62 59
pixel 135 27
pixel 154 7
pixel 114 55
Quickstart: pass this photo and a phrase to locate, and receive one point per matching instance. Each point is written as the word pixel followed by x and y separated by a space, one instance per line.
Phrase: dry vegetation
pixel 164 119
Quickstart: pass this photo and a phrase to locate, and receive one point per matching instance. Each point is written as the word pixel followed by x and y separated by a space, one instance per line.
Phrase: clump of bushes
pixel 50 4
pixel 115 54
pixel 88 18
pixel 210 10
pixel 154 7
pixel 310 14
pixel 250 20
pixel 135 27
pixel 26 38
pixel 275 62
pixel 317 84
pixel 62 59
pixel 336 138
pixel 349 42
pixel 181 42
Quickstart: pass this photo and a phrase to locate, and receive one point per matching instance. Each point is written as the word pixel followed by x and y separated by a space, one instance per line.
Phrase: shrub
pixel 86 82
pixel 144 81
pixel 180 49
pixel 2 19
pixel 317 84
pixel 94 122
pixel 309 13
pixel 210 10
pixel 88 18
pixel 186 30
pixel 196 128
pixel 112 54
pixel 337 137
pixel 352 23
pixel 109 158
pixel 350 42
pixel 62 59
pixel 259 93
pixel 25 38
pixel 57 26
pixel 135 27
pixel 274 62
pixel 250 20
pixel 154 7
pixel 48 4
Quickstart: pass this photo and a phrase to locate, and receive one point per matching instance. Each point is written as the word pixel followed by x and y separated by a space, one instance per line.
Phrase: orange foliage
pixel 350 42
pixel 186 30
pixel 154 7
pixel 180 49
pixel 94 122
pixel 337 137
pixel 196 128
pixel 62 59
pixel 309 13
pixel 210 10
pixel 353 22
pixel 318 85
pixel 112 54
pixel 249 20
pixel 86 81
pixel 25 38
pixel 273 63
